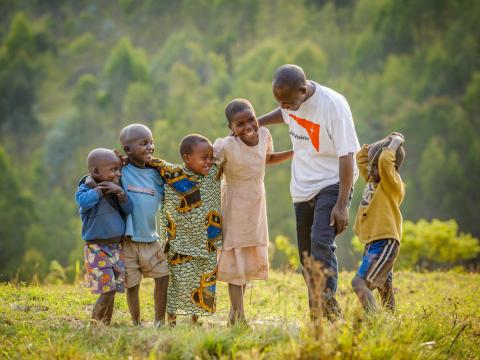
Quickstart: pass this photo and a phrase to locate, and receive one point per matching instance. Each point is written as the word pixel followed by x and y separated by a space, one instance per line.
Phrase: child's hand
pixel 396 134
pixel 109 187
pixel 90 182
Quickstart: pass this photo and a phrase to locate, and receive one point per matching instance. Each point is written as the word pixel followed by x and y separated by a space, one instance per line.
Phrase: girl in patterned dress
pixel 243 155
pixel 192 228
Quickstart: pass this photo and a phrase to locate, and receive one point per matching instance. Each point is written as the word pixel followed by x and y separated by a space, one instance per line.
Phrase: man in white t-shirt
pixel 323 168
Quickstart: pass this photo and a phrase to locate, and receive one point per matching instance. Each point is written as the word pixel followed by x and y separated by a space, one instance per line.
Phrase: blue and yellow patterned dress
pixel 191 231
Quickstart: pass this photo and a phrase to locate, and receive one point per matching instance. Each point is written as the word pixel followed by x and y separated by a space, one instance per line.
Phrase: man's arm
pixel 339 215
pixel 273 117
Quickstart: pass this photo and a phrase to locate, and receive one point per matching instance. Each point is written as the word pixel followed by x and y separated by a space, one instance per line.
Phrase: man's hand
pixel 339 218
pixel 109 187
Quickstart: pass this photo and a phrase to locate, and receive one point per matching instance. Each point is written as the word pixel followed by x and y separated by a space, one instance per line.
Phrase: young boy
pixel 103 211
pixel 379 220
pixel 193 228
pixel 143 253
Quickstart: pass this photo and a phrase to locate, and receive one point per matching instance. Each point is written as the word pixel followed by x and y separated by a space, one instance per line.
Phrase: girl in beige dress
pixel 243 155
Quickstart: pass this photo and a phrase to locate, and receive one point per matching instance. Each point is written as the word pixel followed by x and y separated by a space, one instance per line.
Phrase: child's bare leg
pixel 364 294
pixel 194 319
pixel 133 302
pixel 107 318
pixel 236 293
pixel 387 296
pixel 160 298
pixel 172 319
pixel 101 305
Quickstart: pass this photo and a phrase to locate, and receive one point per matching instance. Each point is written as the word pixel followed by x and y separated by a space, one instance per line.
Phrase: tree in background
pixel 72 74
pixel 16 215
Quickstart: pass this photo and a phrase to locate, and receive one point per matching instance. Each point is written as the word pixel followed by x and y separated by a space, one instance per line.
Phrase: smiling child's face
pixel 106 167
pixel 201 159
pixel 244 124
pixel 110 171
pixel 140 147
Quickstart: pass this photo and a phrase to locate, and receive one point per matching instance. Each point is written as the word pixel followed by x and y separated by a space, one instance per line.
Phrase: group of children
pixel 208 230
pixel 213 219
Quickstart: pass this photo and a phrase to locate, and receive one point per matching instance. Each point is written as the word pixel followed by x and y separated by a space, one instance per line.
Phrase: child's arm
pixel 108 187
pixel 389 176
pixel 157 164
pixel 362 161
pixel 278 157
pixel 86 197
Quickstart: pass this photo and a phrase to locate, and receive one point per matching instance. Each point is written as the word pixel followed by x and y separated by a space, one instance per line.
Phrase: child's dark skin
pixel 360 286
pixel 104 167
pixel 137 143
pixel 199 161
pixel 244 125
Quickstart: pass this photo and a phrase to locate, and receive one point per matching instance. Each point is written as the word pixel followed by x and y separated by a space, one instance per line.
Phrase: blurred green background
pixel 73 73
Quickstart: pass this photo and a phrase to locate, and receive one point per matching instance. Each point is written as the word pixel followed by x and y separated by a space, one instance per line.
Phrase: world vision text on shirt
pixel 312 128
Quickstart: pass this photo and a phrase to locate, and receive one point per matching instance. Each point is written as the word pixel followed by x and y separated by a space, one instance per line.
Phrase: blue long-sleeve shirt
pixel 102 217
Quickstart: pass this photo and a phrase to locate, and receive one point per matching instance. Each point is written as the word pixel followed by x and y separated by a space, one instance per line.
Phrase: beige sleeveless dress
pixel 244 254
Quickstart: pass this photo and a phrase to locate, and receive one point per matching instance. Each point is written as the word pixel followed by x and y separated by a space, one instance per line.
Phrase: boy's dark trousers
pixel 316 238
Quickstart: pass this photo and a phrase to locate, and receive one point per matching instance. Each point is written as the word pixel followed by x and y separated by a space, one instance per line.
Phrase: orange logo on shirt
pixel 312 128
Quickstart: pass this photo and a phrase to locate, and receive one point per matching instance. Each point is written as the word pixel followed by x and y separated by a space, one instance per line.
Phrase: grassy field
pixel 438 317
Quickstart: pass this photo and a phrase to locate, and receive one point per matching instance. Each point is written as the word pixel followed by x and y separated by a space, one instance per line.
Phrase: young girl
pixel 244 255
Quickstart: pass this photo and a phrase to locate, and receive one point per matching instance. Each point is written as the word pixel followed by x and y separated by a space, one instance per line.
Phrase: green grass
pixel 438 317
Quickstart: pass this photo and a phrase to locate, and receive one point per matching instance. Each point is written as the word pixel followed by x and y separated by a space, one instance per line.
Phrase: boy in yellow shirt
pixel 379 220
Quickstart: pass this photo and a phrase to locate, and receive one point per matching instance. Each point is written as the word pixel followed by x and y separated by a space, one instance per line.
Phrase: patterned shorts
pixel 377 263
pixel 105 267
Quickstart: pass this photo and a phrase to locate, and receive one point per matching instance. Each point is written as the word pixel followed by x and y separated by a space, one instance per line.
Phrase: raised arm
pixel 362 161
pixel 278 157
pixel 386 166
pixel 273 117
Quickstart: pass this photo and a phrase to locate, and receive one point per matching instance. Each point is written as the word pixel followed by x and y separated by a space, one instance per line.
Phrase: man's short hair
pixel 188 143
pixel 236 106
pixel 290 76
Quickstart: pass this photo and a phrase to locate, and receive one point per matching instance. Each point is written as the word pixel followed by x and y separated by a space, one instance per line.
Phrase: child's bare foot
pixel 195 321
pixel 172 320
pixel 160 324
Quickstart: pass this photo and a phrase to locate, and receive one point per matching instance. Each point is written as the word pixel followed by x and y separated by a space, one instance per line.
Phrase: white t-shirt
pixel 321 131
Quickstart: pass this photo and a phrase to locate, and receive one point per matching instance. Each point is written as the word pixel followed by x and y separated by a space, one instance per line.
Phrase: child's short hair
pixel 375 149
pixel 100 155
pixel 236 106
pixel 188 143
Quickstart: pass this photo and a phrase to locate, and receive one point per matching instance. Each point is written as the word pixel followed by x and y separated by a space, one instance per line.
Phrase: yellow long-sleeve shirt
pixel 379 215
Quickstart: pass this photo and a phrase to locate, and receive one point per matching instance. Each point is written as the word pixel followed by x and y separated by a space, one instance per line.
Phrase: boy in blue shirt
pixel 103 211
pixel 143 254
